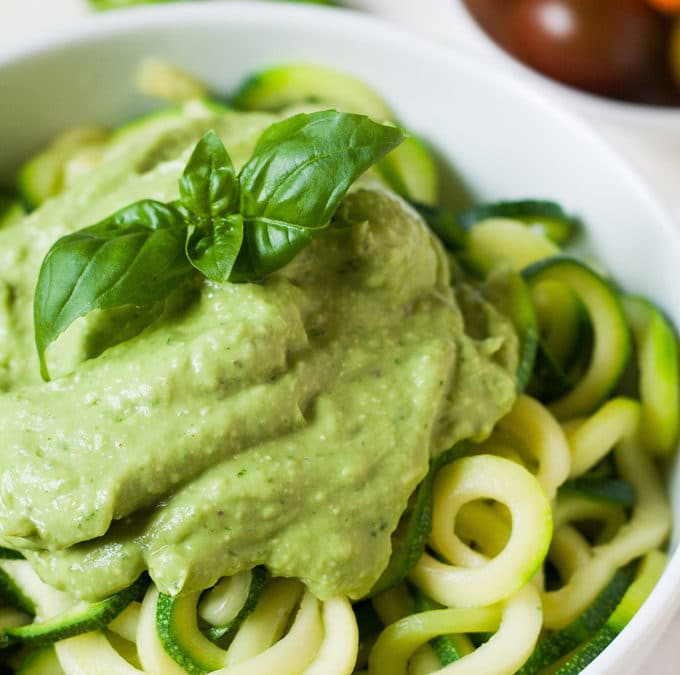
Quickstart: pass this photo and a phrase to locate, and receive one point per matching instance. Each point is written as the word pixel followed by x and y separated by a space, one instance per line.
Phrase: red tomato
pixel 609 47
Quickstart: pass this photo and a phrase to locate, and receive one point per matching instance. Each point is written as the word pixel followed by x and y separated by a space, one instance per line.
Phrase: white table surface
pixel 655 155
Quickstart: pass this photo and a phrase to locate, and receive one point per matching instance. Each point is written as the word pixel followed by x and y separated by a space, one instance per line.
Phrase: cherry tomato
pixel 608 47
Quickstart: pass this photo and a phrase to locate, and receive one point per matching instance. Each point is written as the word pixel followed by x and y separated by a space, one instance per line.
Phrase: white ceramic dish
pixel 503 138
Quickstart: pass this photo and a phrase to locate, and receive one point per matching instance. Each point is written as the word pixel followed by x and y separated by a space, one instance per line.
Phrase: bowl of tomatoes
pixel 617 60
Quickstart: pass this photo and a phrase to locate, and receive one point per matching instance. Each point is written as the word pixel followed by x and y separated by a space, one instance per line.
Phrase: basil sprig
pixel 209 197
pixel 227 226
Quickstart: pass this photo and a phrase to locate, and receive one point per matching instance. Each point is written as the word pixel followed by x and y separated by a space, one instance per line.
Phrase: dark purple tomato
pixel 608 47
pixel 492 15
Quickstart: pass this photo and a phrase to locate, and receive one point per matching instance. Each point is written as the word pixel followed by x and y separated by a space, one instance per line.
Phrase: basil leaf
pixel 271 244
pixel 134 257
pixel 303 166
pixel 208 186
pixel 212 248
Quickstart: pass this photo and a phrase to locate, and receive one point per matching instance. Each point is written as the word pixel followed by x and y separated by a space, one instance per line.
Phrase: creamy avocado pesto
pixel 283 423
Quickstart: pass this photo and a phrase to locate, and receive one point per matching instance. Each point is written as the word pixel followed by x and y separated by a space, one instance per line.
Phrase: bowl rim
pixel 665 597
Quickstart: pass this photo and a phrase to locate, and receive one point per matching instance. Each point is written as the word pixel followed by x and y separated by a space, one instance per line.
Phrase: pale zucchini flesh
pixel 611 335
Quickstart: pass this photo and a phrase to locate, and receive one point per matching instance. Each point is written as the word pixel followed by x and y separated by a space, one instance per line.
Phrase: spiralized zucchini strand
pixel 294 652
pixel 126 624
pixel 267 622
pixel 485 477
pixel 535 431
pixel 573 508
pixel 511 645
pixel 338 652
pixel 594 438
pixel 152 656
pixel 92 654
pixel 569 550
pixel 48 601
pixel 611 336
pixel 646 530
pixel 517 628
pixel 651 520
pixel 657 358
pixel 399 640
pixel 222 604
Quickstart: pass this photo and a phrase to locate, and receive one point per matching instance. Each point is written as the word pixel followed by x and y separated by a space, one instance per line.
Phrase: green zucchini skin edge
pixel 69 624
pixel 443 223
pixel 173 635
pixel 620 348
pixel 173 644
pixel 257 583
pixel 553 647
pixel 559 227
pixel 9 554
pixel 410 538
pixel 650 569
pixel 443 646
pixel 12 595
pixel 607 490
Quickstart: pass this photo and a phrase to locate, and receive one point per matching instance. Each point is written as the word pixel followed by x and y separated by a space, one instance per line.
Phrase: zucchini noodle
pixel 126 623
pixel 514 551
pixel 401 638
pixel 593 438
pixel 645 530
pixel 223 603
pixel 530 430
pixel 484 477
pixel 92 654
pixel 569 550
pixel 611 335
pixel 574 508
pixel 153 657
pixel 294 652
pixel 516 628
pixel 338 651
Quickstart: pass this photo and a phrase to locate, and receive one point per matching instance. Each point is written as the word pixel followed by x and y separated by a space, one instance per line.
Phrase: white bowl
pixel 502 138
